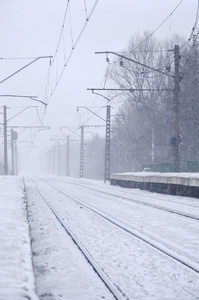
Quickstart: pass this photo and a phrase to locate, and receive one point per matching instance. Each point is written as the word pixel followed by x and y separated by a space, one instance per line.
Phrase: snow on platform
pixel 16 269
pixel 182 184
pixel 191 179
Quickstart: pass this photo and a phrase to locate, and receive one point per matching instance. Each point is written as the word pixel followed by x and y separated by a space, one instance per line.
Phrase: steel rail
pixel 117 293
pixel 169 210
pixel 134 233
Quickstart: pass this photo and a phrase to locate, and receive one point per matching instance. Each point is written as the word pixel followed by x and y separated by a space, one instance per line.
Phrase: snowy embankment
pixel 16 269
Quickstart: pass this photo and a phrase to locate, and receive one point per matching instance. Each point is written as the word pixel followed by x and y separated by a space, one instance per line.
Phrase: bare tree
pixel 145 128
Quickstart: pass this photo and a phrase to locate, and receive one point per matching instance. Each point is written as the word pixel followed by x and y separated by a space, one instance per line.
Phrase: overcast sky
pixel 31 28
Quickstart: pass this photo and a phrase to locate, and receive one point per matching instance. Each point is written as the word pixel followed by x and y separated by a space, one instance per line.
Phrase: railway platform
pixel 181 184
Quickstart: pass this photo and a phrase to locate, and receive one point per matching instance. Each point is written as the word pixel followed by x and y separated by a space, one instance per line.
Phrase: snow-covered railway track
pixel 115 290
pixel 135 268
pixel 169 207
pixel 155 243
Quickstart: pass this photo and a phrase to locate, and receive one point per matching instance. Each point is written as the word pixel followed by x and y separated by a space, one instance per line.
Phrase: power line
pixel 57 47
pixel 86 11
pixel 159 25
pixel 155 31
pixel 23 68
pixel 18 96
pixel 132 60
pixel 61 32
pixel 16 58
pixel 73 48
pixel 195 24
pixel 71 30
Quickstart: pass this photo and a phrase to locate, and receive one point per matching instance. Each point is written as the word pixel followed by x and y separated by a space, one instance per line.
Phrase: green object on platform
pixel 164 167
pixel 192 166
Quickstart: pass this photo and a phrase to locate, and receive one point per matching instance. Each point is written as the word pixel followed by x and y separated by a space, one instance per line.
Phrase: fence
pixel 192 166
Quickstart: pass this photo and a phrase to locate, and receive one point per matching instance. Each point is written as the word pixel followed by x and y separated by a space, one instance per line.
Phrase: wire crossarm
pixel 134 61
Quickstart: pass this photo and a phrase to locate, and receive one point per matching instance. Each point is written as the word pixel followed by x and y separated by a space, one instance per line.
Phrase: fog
pixel 47 63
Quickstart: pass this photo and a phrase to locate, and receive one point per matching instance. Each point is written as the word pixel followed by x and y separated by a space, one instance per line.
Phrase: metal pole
pixel 177 136
pixel 12 153
pixel 107 145
pixel 153 144
pixel 5 142
pixel 16 157
pixel 81 173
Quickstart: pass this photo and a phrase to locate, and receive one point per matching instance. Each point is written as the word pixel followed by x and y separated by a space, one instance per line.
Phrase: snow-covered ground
pixel 16 270
pixel 62 272
pixel 140 271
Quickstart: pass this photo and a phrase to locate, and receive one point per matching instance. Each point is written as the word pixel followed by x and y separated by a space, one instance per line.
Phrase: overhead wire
pixel 45 80
pixel 73 48
pixel 39 116
pixel 10 58
pixel 149 36
pixel 191 35
pixel 58 77
pixel 107 70
pixel 47 77
pixel 103 83
pixel 86 11
pixel 170 30
pixel 61 32
pixel 195 24
pixel 19 70
pixel 81 32
pixel 71 30
pixel 170 16
pixel 159 25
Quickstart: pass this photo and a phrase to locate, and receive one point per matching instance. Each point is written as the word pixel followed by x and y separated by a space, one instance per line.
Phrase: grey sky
pixel 32 28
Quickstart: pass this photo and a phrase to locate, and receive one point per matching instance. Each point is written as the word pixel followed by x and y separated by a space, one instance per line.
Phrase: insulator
pixel 168 68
